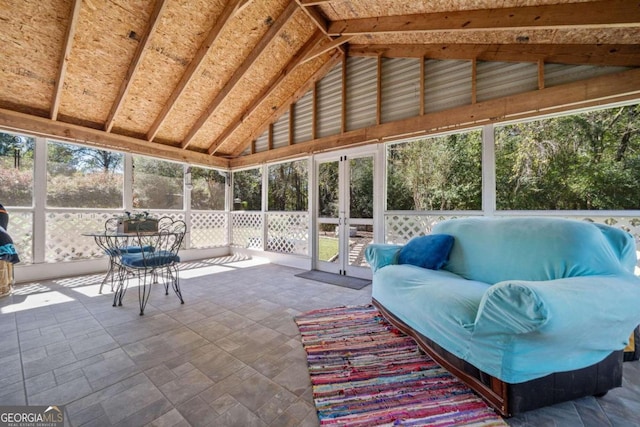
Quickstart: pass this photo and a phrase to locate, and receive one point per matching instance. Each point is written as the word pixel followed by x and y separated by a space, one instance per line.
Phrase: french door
pixel 344 212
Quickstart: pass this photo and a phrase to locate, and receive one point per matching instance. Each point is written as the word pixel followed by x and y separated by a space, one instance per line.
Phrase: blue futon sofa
pixel 527 311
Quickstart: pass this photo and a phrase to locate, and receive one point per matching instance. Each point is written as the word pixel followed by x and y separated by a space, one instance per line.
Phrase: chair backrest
pixel 111 225
pixel 164 244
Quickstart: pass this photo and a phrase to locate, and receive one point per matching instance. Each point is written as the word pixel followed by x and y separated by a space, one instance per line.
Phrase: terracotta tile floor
pixel 230 356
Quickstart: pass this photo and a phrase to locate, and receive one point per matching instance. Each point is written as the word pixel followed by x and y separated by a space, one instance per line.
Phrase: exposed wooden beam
pixel 191 70
pixel 290 136
pixel 379 90
pixel 422 77
pixel 135 64
pixel 34 125
pixel 64 60
pixel 307 85
pixel 313 14
pixel 314 2
pixel 267 90
pixel 240 71
pixel 474 81
pixel 618 87
pixel 541 74
pixel 343 96
pixel 623 55
pixel 591 14
pixel 319 50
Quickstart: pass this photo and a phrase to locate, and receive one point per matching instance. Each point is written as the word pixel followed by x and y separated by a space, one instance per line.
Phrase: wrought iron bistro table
pixel 152 257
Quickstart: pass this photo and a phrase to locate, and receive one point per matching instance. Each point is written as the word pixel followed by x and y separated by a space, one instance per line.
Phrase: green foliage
pixel 247 189
pixel 361 188
pixel 157 184
pixel 288 186
pixel 440 173
pixel 208 190
pixel 94 190
pixel 328 189
pixel 584 161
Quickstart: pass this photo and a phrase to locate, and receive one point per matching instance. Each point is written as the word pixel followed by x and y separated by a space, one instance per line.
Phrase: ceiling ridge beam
pixel 617 87
pixel 267 90
pixel 134 66
pixel 241 71
pixel 64 60
pixel 34 125
pixel 592 14
pixel 229 10
pixel 306 86
pixel 627 55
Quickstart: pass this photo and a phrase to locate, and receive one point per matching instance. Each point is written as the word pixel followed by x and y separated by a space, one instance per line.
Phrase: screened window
pixel 439 173
pixel 16 170
pixel 157 184
pixel 584 161
pixel 83 177
pixel 247 190
pixel 288 186
pixel 208 190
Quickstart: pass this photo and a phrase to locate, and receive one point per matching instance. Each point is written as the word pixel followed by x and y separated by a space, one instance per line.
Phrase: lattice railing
pixel 209 230
pixel 399 228
pixel 64 240
pixel 20 229
pixel 246 229
pixel 288 232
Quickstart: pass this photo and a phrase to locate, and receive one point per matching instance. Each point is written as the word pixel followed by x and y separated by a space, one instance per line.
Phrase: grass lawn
pixel 327 248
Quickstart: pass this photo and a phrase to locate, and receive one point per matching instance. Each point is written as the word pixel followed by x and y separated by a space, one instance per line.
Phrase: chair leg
pixel 109 275
pixel 175 282
pixel 144 290
pixel 121 287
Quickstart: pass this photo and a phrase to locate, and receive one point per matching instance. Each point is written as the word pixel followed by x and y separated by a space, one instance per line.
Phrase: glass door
pixel 344 214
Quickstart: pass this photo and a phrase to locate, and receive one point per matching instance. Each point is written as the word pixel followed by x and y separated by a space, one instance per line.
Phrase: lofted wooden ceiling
pixel 198 80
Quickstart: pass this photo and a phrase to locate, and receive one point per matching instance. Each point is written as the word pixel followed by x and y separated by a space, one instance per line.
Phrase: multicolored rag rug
pixel 365 372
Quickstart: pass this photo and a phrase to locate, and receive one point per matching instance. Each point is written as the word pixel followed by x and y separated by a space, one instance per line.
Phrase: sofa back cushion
pixel 495 249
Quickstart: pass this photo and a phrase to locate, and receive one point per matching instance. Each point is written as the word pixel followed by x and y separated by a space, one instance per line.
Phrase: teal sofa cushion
pixel 493 250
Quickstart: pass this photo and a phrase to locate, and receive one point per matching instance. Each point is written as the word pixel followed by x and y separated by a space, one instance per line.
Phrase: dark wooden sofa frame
pixel 510 399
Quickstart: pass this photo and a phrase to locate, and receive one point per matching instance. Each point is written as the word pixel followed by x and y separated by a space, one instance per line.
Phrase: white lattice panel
pixel 64 239
pixel 20 229
pixel 400 229
pixel 288 232
pixel 208 230
pixel 246 231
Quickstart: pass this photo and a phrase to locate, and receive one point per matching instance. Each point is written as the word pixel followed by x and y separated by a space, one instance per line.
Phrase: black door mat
pixel 335 279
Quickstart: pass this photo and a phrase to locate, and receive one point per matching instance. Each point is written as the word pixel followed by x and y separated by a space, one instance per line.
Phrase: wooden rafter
pixel 600 14
pixel 240 72
pixel 313 2
pixel 624 55
pixel 317 75
pixel 315 16
pixel 229 10
pixel 337 42
pixel 30 124
pixel 267 90
pixel 64 60
pixel 135 64
pixel 617 87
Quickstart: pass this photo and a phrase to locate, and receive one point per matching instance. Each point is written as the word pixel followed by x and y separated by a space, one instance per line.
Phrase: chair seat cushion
pixel 128 250
pixel 149 259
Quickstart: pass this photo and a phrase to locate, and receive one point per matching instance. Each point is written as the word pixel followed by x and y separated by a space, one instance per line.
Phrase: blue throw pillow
pixel 430 251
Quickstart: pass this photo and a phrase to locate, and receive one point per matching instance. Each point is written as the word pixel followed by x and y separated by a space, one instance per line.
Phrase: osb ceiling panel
pixel 181 30
pixel 350 9
pixel 31 37
pixel 234 44
pixel 159 81
pixel 103 47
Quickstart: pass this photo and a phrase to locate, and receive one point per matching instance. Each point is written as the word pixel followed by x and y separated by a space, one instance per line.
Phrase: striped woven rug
pixel 365 372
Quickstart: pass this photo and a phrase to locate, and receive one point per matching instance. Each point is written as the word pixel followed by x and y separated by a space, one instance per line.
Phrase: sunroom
pixel 295 134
